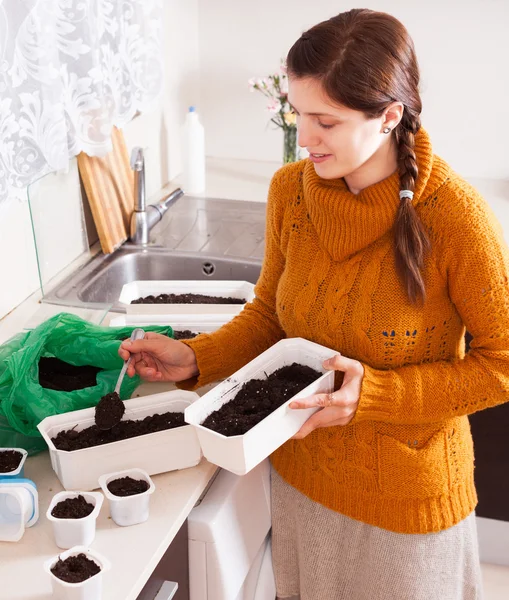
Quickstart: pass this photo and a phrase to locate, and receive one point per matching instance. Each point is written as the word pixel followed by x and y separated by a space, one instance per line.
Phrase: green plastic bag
pixel 24 403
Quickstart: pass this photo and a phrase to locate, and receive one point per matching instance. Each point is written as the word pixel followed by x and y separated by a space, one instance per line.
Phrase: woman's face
pixel 339 140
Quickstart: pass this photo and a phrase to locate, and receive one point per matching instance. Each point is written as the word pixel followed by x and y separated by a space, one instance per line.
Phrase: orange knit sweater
pixel 405 462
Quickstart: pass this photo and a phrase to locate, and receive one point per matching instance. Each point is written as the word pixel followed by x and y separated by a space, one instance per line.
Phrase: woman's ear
pixel 392 116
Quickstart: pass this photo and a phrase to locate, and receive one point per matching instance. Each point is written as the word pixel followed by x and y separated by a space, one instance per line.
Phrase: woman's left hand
pixel 339 407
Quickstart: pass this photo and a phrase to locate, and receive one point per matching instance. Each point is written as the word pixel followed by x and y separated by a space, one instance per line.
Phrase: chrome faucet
pixel 145 217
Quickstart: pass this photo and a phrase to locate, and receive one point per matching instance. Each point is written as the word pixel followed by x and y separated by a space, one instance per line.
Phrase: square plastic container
pixel 138 289
pixel 19 507
pixel 20 471
pixel 90 589
pixel 128 510
pixel 241 453
pixel 158 452
pixel 75 532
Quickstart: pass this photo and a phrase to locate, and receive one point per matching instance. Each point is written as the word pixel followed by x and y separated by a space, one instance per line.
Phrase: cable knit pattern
pixel 405 462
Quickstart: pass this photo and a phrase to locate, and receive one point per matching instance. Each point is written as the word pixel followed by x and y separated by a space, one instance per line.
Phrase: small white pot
pixel 19 472
pixel 128 510
pixel 90 589
pixel 75 532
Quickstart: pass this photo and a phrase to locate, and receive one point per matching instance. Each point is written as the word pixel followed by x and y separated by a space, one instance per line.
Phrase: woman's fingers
pixel 340 399
pixel 341 363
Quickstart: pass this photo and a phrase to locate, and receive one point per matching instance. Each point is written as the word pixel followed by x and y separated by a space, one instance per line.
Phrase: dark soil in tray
pixel 187 334
pixel 188 299
pixel 55 374
pixel 257 398
pixel 71 439
pixel 127 486
pixel 72 508
pixel 9 460
pixel 109 411
pixel 75 569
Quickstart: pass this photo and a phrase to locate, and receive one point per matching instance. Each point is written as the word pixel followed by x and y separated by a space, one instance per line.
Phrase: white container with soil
pixel 181 324
pixel 12 462
pixel 128 493
pixel 77 574
pixel 151 435
pixel 186 297
pixel 245 418
pixel 73 516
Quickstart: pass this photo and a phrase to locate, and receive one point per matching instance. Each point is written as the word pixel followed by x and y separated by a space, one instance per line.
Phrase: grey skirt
pixel 319 554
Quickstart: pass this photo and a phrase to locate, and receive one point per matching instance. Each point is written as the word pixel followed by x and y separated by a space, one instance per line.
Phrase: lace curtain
pixel 69 71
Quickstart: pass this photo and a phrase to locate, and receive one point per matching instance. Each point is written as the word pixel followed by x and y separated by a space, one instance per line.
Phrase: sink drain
pixel 208 268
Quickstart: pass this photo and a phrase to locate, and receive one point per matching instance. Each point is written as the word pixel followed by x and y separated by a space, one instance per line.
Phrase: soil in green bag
pixel 187 299
pixel 109 411
pixel 72 508
pixel 75 569
pixel 257 398
pixel 70 439
pixel 186 334
pixel 127 486
pixel 55 374
pixel 9 460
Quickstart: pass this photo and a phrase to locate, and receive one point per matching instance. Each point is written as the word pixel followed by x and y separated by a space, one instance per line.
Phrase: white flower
pixel 274 105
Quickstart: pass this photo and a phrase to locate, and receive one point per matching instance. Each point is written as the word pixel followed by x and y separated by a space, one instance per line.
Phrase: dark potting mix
pixel 108 411
pixel 9 460
pixel 55 374
pixel 257 398
pixel 72 508
pixel 70 439
pixel 75 569
pixel 127 486
pixel 186 334
pixel 187 299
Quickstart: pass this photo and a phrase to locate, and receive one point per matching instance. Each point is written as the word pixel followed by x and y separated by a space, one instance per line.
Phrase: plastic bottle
pixel 193 154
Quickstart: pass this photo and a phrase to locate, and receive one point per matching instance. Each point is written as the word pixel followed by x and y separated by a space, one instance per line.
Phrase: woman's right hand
pixel 159 358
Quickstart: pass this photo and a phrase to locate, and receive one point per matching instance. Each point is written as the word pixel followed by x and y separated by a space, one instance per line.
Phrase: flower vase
pixel 290 153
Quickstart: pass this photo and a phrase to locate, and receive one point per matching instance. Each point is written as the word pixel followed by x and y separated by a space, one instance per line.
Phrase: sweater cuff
pixel 208 360
pixel 378 397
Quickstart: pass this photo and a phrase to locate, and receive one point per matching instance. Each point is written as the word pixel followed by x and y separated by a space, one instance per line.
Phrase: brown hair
pixel 365 60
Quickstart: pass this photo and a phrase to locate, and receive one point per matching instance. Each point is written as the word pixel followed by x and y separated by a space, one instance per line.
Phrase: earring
pixel 387 130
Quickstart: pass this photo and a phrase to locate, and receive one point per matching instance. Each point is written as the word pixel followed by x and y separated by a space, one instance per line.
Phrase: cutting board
pixel 109 185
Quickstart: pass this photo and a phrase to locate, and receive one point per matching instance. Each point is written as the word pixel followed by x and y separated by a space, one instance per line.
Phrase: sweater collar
pixel 347 222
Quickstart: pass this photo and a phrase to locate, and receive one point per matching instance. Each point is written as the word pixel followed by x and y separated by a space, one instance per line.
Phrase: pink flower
pixel 274 105
pixel 283 68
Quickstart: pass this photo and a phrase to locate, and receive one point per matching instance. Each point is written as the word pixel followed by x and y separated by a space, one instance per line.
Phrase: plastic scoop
pixel 110 408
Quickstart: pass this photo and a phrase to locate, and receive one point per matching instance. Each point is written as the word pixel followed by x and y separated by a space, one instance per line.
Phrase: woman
pixel 377 249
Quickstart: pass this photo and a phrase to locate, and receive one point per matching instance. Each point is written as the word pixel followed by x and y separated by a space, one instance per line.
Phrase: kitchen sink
pixel 198 238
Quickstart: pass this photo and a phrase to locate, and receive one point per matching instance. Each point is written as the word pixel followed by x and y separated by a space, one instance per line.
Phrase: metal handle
pixel 137 160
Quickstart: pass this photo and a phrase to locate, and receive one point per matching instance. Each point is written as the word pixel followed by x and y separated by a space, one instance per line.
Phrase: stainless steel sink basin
pixel 197 239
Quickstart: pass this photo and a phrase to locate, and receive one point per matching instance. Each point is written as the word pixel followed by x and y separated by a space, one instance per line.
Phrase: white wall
pixel 462 47
pixel 59 220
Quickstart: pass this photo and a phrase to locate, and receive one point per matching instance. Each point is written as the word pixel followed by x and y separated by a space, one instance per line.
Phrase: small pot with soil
pixel 129 495
pixel 12 462
pixel 73 516
pixel 77 574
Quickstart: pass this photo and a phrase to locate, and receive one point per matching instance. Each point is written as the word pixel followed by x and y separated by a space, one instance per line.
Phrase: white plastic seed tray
pixel 158 452
pixel 140 289
pixel 196 323
pixel 239 454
